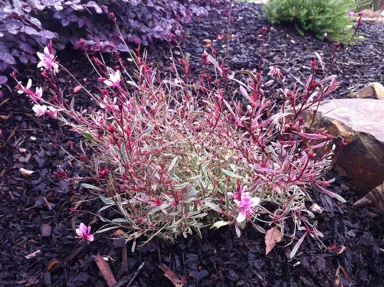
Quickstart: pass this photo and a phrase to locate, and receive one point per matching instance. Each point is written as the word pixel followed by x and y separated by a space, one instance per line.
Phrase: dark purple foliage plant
pixel 26 26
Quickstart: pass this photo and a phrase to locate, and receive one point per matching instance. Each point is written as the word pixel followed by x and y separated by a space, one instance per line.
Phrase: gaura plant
pixel 174 155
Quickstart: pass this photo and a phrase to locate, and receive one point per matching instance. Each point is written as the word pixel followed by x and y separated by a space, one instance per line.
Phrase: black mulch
pixel 35 219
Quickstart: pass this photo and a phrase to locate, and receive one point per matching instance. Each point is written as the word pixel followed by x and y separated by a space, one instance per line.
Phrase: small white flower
pixel 274 72
pixel 38 93
pixel 39 110
pixel 52 111
pixel 25 89
pixel 114 79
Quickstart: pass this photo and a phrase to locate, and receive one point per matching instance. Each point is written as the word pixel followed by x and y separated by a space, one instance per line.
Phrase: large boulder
pixel 373 198
pixel 372 91
pixel 361 123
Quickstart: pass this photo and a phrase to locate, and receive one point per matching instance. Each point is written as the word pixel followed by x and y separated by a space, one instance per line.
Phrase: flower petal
pixel 241 216
pixel 90 238
pixel 79 232
pixel 40 55
pixel 83 228
pixel 255 201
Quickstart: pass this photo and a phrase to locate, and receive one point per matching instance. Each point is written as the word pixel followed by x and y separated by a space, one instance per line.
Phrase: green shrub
pixel 317 16
pixel 363 4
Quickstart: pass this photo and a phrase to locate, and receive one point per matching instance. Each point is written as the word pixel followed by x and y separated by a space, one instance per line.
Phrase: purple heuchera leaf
pixel 27 48
pixel 143 21
pixel 47 34
pixel 7 58
pixel 3 80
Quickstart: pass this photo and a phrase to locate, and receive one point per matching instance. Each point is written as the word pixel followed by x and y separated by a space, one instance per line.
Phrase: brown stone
pixel 360 122
pixel 375 198
pixel 372 91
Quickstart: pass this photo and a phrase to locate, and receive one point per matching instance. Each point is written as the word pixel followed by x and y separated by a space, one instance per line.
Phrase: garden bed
pixel 30 203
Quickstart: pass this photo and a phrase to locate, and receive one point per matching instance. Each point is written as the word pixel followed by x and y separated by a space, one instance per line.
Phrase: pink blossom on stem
pixel 351 14
pixel 275 72
pixel 105 104
pixel 38 94
pixel 47 61
pixel 114 79
pixel 237 196
pixel 25 89
pixel 39 110
pixel 325 35
pixel 84 233
pixel 245 205
pixel 52 111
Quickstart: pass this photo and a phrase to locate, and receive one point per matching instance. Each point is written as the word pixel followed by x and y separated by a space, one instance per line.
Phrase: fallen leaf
pixel 272 236
pixel 76 89
pixel 52 264
pixel 315 208
pixel 33 254
pixel 118 233
pixel 105 270
pixel 25 172
pixel 172 276
pixel 46 230
pixel 219 224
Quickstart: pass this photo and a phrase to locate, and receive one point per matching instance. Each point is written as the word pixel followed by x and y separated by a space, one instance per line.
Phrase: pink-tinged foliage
pixel 84 233
pixel 174 155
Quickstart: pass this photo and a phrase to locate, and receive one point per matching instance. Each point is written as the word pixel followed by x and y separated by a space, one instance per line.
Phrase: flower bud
pixel 111 129
pixel 264 30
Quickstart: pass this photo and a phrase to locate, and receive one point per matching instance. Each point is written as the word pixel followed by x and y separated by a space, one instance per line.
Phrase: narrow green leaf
pixel 213 206
pixel 297 246
pixel 149 129
pixel 90 186
pixel 120 220
pixel 106 200
pixel 231 174
pixel 173 163
pixel 89 136
pixel 107 229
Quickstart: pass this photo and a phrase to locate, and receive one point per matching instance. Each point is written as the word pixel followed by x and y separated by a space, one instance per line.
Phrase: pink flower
pixel 23 89
pixel 38 94
pixel 325 35
pixel 52 112
pixel 47 61
pixel 245 206
pixel 104 104
pixel 114 79
pixel 351 14
pixel 39 110
pixel 275 72
pixel 84 233
pixel 237 196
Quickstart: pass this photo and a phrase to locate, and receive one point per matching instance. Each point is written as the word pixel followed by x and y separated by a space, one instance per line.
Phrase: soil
pixel 37 243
